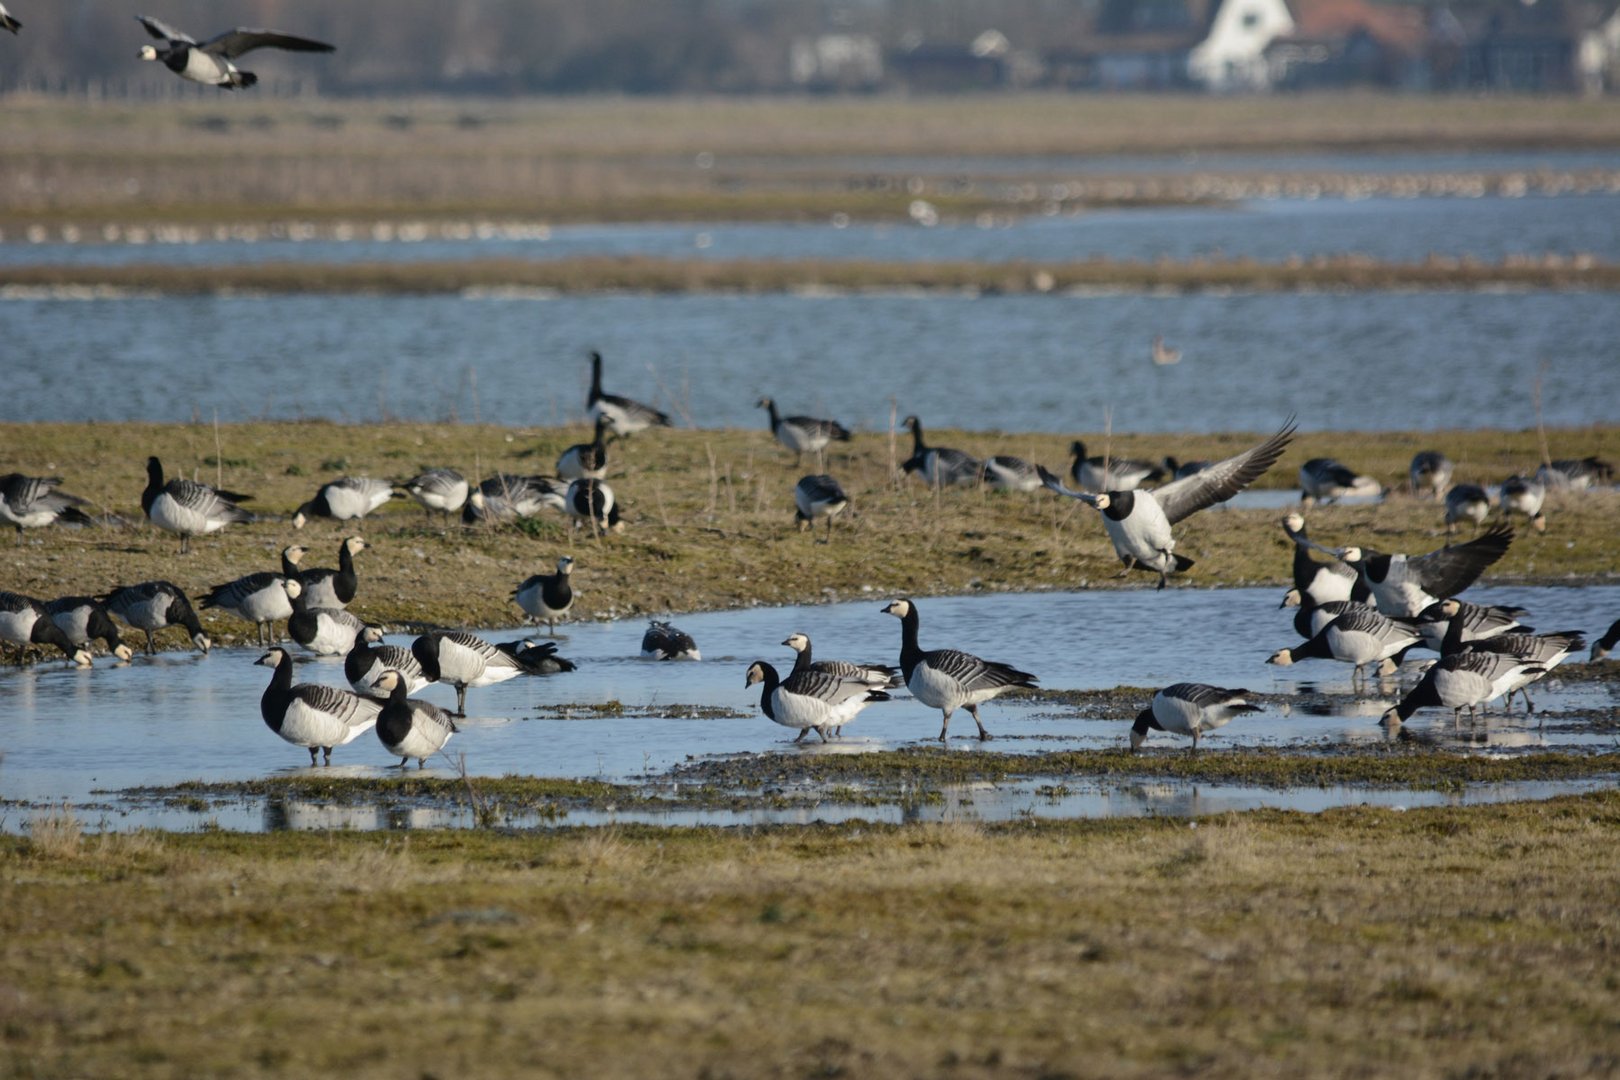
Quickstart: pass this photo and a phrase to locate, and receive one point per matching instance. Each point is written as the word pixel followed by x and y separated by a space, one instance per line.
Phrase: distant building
pixel 1598 54
pixel 1348 43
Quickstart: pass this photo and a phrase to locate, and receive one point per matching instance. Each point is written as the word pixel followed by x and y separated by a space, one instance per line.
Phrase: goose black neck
pixel 344 582
pixel 772 681
pixel 770 407
pixel 1422 694
pixel 1120 505
pixel 1145 722
pixel 359 660
pixel 46 632
pixel 918 447
pixel 1305 567
pixel 910 652
pixel 1452 643
pixel 1316 648
pixel 596 375
pixel 154 483
pixel 394 721
pixel 801 663
pixel 423 648
pixel 278 695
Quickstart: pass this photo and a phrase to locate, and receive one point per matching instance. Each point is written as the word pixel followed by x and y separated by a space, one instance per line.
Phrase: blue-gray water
pixel 68 734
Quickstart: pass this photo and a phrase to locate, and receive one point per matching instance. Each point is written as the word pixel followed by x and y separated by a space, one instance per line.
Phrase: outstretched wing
pixel 163 31
pixel 1222 480
pixel 1450 570
pixel 233 43
pixel 1054 484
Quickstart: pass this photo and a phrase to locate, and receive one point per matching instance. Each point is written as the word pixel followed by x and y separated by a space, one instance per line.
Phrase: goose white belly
pixel 334 635
pixel 320 592
pixel 941 691
pixel 801 440
pixel 1458 688
pixel 533 601
pixel 798 711
pixel 1183 717
pixel 1403 598
pixel 1144 535
pixel 1326 586
pixel 622 420
pixel 18 626
pixel 570 466
pixel 171 516
pixel 148 613
pixel 425 738
pixel 1359 647
pixel 349 503
pixel 302 725
pixel 266 605
pixel 205 68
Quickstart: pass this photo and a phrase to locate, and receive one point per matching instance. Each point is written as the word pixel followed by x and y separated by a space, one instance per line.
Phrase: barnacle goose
pixel 369 658
pixel 464 661
pixel 24 622
pixel 408 728
pixel 506 496
pixel 1546 651
pixel 1007 473
pixel 1317 583
pixel 1576 474
pixel 187 508
pixel 1522 495
pixel 1139 522
pixel 1110 473
pixel 1429 473
pixel 623 415
pixel 324 631
pixel 311 715
pixel 1190 709
pixel 1466 502
pixel 548 596
pixel 210 62
pixel 877 676
pixel 803 434
pixel 817 497
pixel 1328 480
pixel 1474 621
pixel 938 466
pixel 947 679
pixel 324 587
pixel 592 501
pixel 537 657
pixel 1605 644
pixel 665 642
pixel 1360 637
pixel 151 606
pixel 1312 619
pixel 84 619
pixel 1404 585
pixel 347 498
pixel 586 461
pixel 810 700
pixel 444 490
pixel 1463 680
pixel 8 21
pixel 260 599
pixel 32 502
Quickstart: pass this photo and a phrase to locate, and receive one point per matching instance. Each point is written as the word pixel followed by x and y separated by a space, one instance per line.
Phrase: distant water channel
pixel 83 736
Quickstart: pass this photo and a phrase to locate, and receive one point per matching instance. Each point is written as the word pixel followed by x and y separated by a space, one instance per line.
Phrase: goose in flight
pixel 1404 585
pixel 210 62
pixel 8 21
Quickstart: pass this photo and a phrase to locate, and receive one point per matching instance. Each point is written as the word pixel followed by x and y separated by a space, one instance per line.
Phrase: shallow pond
pixel 78 736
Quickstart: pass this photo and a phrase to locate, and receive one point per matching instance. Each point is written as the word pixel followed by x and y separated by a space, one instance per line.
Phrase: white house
pixel 1232 56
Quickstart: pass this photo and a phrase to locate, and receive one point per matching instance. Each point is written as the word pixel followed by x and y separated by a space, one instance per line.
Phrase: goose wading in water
pixel 948 679
pixel 24 622
pixel 409 728
pixel 211 62
pixel 324 631
pixel 1190 709
pixel 815 497
pixel 877 676
pixel 84 619
pixel 1139 522
pixel 311 715
pixel 810 700
pixel 187 508
pixel 1475 621
pixel 1360 637
pixel 803 434
pixel 347 498
pixel 1461 681
pixel 665 642
pixel 369 658
pixel 32 502
pixel 153 605
pixel 1544 651
pixel 464 661
pixel 548 597
pixel 624 416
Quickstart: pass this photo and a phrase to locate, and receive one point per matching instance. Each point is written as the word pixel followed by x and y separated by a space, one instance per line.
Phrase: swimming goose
pixel 369 658
pixel 1466 502
pixel 464 661
pixel 1525 496
pixel 84 619
pixel 1190 709
pixel 816 497
pixel 187 508
pixel 537 657
pixel 24 622
pixel 877 676
pixel 1576 474
pixel 324 631
pixel 1164 354
pixel 151 606
pixel 324 587
pixel 506 496
pixel 32 502
pixel 1327 480
pixel 810 700
pixel 1007 473
pixel 1605 644
pixel 592 501
pixel 311 715
pixel 209 62
pixel 1110 473
pixel 1429 473
pixel 1139 522
pixel 444 490
pixel 548 596
pixel 408 728
pixel 803 434
pixel 1544 651
pixel 1404 585
pixel 947 679
pixel 939 466
pixel 1461 681
pixel 665 642
pixel 623 415
pixel 347 498
pixel 1359 637
pixel 586 461
pixel 8 21
pixel 1317 583
pixel 260 599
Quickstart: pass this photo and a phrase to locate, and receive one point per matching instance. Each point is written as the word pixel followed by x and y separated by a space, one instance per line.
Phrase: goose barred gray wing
pixel 1010 473
pixel 1180 499
pixel 30 502
pixel 355 711
pixel 233 43
pixel 444 490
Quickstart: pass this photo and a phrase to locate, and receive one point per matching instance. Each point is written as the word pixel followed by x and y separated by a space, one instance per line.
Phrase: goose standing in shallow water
pixel 1521 495
pixel 586 461
pixel 939 466
pixel 665 642
pixel 410 729
pixel 324 587
pixel 24 622
pixel 1139 522
pixel 260 599
pixel 623 415
pixel 1110 473
pixel 153 605
pixel 877 676
pixel 947 679
pixel 1360 637
pixel 1475 622
pixel 310 715
pixel 84 619
pixel 444 490
pixel 810 700
pixel 32 502
pixel 548 596
pixel 1544 651
pixel 324 631
pixel 1466 502
pixel 1328 480
pixel 1190 709
pixel 803 434
pixel 348 498
pixel 464 661
pixel 210 62
pixel 187 508
pixel 817 497
pixel 368 658
pixel 1461 681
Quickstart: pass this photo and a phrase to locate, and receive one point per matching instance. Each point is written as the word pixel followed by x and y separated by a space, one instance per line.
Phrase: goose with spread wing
pixel 211 62
pixel 1404 585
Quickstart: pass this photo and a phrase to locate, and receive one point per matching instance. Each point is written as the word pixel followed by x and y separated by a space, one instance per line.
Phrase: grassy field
pixel 1354 943
pixel 710 517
